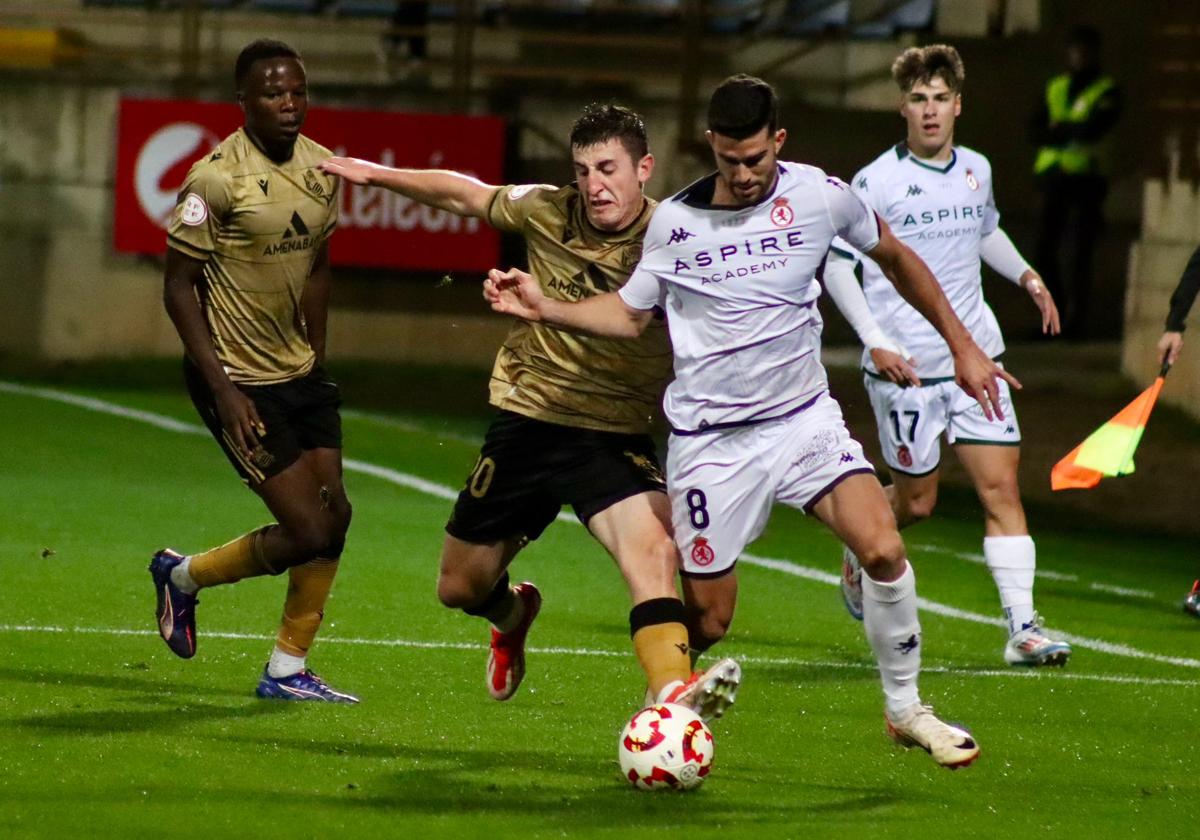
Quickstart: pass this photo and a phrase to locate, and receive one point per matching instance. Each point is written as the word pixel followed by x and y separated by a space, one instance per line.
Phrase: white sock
pixel 284 664
pixel 1012 561
pixel 890 619
pixel 182 578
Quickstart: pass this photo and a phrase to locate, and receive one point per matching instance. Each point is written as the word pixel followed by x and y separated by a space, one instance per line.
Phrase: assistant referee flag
pixel 1108 451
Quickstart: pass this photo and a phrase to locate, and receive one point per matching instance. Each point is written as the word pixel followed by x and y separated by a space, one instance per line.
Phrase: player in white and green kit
pixel 937 198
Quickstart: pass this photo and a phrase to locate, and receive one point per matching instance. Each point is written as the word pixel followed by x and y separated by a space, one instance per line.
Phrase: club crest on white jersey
pixel 942 211
pixel 739 287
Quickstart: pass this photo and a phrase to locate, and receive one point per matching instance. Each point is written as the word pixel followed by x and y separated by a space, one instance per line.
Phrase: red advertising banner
pixel 159 140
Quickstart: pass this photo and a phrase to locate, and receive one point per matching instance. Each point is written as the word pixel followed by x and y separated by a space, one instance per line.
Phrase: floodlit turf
pixel 104 733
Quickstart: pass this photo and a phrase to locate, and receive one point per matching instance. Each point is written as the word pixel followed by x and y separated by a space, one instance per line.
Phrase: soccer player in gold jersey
pixel 575 411
pixel 247 286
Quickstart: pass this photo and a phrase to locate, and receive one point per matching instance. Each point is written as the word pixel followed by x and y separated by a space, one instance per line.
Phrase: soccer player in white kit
pixel 733 260
pixel 937 197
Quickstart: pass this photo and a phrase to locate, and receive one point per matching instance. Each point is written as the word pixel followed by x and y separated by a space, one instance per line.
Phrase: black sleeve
pixel 1185 294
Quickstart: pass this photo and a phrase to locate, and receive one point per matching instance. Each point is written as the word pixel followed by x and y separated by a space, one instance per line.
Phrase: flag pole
pixel 1144 415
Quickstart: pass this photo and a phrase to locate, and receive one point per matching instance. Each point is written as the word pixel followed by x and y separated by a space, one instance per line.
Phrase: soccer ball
pixel 665 747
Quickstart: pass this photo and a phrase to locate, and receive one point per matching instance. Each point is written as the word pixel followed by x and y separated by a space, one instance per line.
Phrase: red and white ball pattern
pixel 665 747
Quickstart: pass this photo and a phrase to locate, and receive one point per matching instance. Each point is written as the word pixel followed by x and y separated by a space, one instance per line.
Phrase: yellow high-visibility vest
pixel 1074 157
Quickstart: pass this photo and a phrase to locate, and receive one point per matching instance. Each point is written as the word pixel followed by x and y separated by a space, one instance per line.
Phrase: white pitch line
pixel 1050 575
pixel 1122 590
pixel 414 644
pixel 787 567
pixel 980 560
pixel 440 491
pixel 104 407
pixel 970 557
pixel 409 426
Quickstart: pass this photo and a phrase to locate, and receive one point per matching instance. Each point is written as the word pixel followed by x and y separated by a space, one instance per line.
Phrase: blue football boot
pixel 303 685
pixel 176 610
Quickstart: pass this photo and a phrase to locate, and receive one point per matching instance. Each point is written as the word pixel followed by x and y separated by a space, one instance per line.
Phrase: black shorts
pixel 528 469
pixel 299 414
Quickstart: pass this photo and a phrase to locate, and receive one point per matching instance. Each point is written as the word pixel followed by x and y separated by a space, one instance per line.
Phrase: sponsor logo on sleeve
pixel 195 211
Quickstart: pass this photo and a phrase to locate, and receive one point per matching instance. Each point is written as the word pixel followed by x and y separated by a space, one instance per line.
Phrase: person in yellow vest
pixel 1077 113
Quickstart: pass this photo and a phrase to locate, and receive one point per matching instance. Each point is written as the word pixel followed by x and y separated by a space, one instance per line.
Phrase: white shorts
pixel 723 483
pixel 912 420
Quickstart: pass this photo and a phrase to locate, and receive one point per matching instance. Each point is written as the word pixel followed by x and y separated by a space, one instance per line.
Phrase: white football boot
pixel 917 726
pixel 1031 647
pixel 709 693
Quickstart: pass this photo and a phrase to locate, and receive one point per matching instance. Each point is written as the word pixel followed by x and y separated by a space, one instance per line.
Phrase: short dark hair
pixel 918 65
pixel 740 107
pixel 259 50
pixel 599 123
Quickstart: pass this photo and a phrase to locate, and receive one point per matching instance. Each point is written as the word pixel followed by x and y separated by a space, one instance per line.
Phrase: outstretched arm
pixel 459 194
pixel 974 371
pixel 514 292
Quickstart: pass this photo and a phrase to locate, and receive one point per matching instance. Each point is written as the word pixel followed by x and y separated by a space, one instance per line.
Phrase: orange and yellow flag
pixel 1108 451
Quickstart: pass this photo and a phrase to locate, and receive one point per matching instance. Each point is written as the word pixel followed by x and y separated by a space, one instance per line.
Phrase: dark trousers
pixel 1071 221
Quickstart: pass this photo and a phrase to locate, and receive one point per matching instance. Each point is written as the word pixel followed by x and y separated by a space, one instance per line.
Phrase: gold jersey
pixel 258 225
pixel 559 377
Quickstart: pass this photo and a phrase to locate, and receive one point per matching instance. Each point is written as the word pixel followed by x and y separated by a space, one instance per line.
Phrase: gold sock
pixel 662 650
pixel 308 589
pixel 238 559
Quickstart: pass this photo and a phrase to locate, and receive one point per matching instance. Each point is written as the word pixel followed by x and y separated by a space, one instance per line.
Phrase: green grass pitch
pixel 103 733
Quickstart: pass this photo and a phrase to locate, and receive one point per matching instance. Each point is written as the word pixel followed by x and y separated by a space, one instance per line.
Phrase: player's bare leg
pixel 1010 552
pixel 912 499
pixel 710 604
pixel 312 512
pixel 309 502
pixel 637 533
pixel 474 578
pixel 857 511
